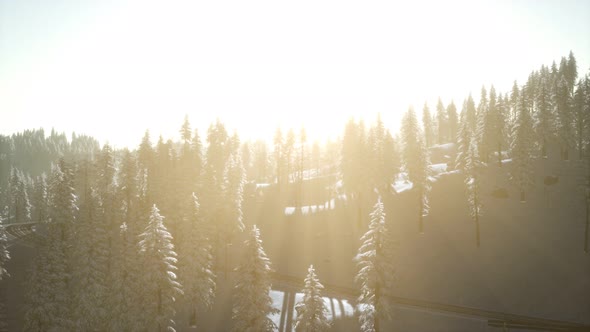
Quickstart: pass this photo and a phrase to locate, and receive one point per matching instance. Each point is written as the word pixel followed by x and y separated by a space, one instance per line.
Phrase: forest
pixel 174 234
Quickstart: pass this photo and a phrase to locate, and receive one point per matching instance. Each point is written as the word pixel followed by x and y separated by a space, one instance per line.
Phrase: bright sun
pixel 119 69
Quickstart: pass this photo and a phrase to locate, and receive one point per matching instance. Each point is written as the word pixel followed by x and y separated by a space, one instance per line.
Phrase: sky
pixel 113 69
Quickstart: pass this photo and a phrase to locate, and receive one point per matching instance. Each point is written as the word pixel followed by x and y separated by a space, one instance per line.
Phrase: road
pixel 494 318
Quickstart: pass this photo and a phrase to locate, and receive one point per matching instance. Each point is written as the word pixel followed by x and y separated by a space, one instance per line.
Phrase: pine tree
pixel 453 121
pixel 4 254
pixel 289 149
pixel 252 302
pixel 159 285
pixel 38 292
pixel 91 258
pixel 416 161
pixel 488 127
pixel 481 116
pixel 443 120
pixel 463 140
pixel 278 154
pixel 376 271
pixel 473 186
pixel 312 312
pixel 427 125
pixel 521 148
pixel 19 204
pixel 571 71
pixel 565 130
pixel 40 199
pixel 48 304
pixel 195 263
pixel 499 128
pixel 544 117
pixel 581 119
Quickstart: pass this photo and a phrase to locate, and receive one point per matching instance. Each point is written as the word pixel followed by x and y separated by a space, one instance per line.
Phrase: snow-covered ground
pixel 310 209
pixel 337 308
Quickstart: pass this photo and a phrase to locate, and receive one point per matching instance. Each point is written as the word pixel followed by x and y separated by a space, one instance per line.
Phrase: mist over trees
pixel 139 238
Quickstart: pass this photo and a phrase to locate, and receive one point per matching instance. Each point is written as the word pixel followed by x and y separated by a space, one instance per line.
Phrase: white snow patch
pixel 438 168
pixel 262 185
pixel 402 183
pixel 445 147
pixel 310 209
pixel 277 303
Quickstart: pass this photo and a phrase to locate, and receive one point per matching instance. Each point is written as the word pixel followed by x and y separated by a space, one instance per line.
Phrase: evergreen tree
pixel 159 285
pixel 278 154
pixel 312 312
pixel 196 263
pixel 40 199
pixel 443 120
pixel 376 271
pixel 488 125
pixel 260 161
pixel 521 148
pixel 513 108
pixel 463 140
pixel 252 302
pixel 124 300
pixel 565 130
pixel 481 116
pixel 49 307
pixel 571 71
pixel 581 118
pixel 416 161
pixel 453 121
pixel 472 184
pixel 91 266
pixel 19 204
pixel 544 117
pixel 38 293
pixel 4 254
pixel 289 149
pixel 428 127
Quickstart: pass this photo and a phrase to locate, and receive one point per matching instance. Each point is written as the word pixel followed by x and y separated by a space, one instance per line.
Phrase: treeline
pixel 131 237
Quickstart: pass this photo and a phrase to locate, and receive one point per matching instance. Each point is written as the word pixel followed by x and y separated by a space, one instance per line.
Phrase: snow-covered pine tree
pixel 376 271
pixel 159 285
pixel 453 120
pixel 123 291
pixel 312 312
pixel 4 254
pixel 38 291
pixel 195 263
pixel 544 117
pixel 581 118
pixel 463 140
pixel 252 302
pixel 416 161
pixel 443 122
pixel 90 268
pixel 565 129
pixel 490 123
pixel 19 204
pixel 427 125
pixel 521 147
pixel 58 257
pixel 473 186
pixel 482 120
pixel 40 199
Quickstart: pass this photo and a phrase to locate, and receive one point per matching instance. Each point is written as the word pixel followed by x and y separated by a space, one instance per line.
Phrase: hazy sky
pixel 113 69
